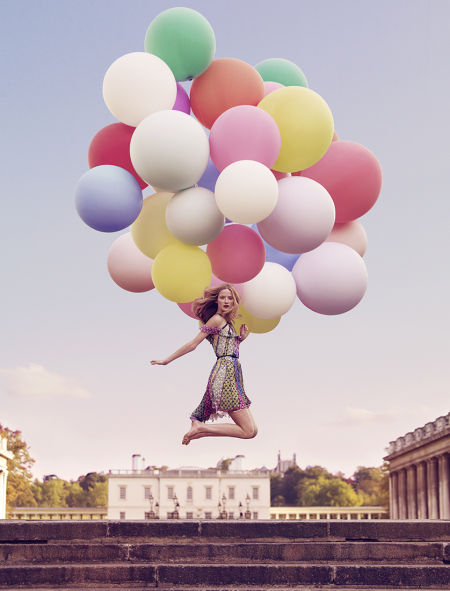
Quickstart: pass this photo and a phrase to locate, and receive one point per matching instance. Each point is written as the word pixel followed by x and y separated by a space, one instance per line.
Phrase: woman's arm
pixel 243 332
pixel 213 322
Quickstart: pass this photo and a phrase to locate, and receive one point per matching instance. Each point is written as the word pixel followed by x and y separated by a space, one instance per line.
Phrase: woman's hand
pixel 243 333
pixel 159 362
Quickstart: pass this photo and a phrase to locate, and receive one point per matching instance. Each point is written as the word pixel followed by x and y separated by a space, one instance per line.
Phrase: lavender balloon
pixel 182 102
pixel 108 198
pixel 276 256
pixel 209 177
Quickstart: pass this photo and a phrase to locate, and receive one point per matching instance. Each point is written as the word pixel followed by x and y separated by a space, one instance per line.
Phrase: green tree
pixel 18 489
pixel 327 492
pixel 95 487
pixel 372 484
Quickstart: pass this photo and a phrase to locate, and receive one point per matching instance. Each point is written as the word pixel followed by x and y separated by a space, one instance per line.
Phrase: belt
pixel 232 356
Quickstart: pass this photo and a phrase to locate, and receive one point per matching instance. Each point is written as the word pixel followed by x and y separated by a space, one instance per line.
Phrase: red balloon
pixel 228 82
pixel 352 176
pixel 111 145
pixel 237 254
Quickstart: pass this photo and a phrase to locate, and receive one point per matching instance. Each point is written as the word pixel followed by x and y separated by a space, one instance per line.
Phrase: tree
pixel 95 487
pixel 327 492
pixel 372 484
pixel 18 490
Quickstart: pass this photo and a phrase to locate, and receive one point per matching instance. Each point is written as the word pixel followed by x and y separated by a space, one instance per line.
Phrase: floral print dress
pixel 225 388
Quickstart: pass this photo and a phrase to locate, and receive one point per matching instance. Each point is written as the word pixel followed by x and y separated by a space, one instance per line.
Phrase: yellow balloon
pixel 256 325
pixel 181 272
pixel 305 123
pixel 149 231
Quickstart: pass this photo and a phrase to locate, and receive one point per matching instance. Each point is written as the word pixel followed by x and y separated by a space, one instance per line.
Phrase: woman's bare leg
pixel 244 427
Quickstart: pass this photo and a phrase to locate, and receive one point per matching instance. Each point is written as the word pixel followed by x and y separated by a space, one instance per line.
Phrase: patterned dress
pixel 225 388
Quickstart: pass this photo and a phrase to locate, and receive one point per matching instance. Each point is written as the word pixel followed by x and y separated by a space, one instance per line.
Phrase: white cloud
pixel 359 416
pixel 38 383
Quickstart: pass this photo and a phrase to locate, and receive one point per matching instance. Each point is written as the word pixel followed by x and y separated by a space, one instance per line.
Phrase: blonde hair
pixel 204 308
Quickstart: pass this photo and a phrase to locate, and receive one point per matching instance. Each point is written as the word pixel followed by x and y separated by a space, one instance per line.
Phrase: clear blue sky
pixel 74 371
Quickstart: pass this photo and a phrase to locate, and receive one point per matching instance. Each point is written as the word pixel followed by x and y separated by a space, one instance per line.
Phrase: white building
pixel 188 493
pixel 5 455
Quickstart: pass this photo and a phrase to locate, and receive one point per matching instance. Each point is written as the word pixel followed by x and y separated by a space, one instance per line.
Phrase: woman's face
pixel 225 301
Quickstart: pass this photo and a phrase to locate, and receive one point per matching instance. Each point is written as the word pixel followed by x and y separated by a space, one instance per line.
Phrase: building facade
pixel 347 513
pixel 5 455
pixel 188 493
pixel 419 472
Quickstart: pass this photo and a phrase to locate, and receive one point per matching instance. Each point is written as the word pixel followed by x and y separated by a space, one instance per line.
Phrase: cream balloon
pixel 246 191
pixel 193 217
pixel 128 266
pixel 136 85
pixel 169 150
pixel 150 232
pixel 271 293
pixel 352 234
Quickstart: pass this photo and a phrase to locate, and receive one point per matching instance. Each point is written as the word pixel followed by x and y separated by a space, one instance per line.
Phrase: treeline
pixel 315 486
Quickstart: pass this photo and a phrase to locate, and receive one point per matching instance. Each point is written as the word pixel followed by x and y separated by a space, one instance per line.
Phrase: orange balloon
pixel 228 82
pixel 335 137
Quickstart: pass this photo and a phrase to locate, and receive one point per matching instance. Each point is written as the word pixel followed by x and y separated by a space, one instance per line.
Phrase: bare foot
pixel 195 428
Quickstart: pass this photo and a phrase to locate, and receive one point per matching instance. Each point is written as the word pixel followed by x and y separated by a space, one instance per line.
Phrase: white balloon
pixel 138 84
pixel 246 191
pixel 302 218
pixel 352 234
pixel 193 216
pixel 330 279
pixel 271 293
pixel 169 150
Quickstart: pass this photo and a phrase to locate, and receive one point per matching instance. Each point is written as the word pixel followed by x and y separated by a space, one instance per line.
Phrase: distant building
pixel 5 455
pixel 284 465
pixel 419 472
pixel 188 493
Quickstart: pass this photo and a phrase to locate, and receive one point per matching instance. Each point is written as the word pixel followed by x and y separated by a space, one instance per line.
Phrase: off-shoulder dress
pixel 225 389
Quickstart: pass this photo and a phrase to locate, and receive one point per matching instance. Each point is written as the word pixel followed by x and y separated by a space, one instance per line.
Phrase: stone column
pixel 393 494
pixel 411 492
pixel 402 499
pixel 433 489
pixel 444 487
pixel 422 506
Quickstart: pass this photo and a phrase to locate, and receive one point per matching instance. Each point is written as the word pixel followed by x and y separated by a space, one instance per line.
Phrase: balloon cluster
pixel 272 193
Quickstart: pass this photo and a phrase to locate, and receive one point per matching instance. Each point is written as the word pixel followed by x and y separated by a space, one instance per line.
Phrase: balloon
pixel 128 266
pixel 182 101
pixel 108 198
pixel 306 126
pixel 302 218
pixel 331 279
pixel 150 232
pixel 352 234
pixel 187 307
pixel 276 256
pixel 352 176
pixel 271 86
pixel 170 149
pixel 237 254
pixel 244 133
pixel 227 82
pixel 280 175
pixel 271 293
pixel 193 217
pixel 282 71
pixel 335 137
pixel 136 85
pixel 246 191
pixel 254 324
pixel 209 177
pixel 181 272
pixel 184 39
pixel 111 145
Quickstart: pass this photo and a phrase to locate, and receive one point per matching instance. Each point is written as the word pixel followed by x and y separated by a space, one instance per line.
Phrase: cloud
pixel 36 382
pixel 362 416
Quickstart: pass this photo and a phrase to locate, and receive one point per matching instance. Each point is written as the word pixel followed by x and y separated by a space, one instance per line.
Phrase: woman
pixel 225 390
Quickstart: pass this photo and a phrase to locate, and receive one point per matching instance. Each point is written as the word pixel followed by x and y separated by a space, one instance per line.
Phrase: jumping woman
pixel 225 389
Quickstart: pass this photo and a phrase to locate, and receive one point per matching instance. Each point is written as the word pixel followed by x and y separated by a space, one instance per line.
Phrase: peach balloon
pixel 271 86
pixel 128 266
pixel 352 234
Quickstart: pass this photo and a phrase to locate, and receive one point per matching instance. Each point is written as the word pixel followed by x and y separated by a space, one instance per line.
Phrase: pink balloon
pixel 352 176
pixel 237 254
pixel 271 86
pixel 279 175
pixel 352 234
pixel 331 279
pixel 187 307
pixel 182 102
pixel 128 266
pixel 244 133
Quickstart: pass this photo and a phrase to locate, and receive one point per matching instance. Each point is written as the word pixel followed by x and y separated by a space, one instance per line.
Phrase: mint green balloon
pixel 184 39
pixel 277 69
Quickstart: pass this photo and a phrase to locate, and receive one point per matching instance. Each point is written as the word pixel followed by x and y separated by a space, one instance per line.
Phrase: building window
pixel 170 492
pixel 208 494
pixel 255 492
pixel 147 492
pixel 122 515
pixel 189 515
pixel 189 494
pixel 255 514
pixel 123 492
pixel 208 515
pixel 147 515
pixel 231 493
pixel 231 515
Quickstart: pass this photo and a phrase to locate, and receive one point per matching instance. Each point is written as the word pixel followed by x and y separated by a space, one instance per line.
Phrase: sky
pixel 75 376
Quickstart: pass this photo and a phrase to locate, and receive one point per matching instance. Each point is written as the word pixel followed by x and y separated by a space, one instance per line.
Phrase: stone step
pixel 184 551
pixel 201 575
pixel 376 530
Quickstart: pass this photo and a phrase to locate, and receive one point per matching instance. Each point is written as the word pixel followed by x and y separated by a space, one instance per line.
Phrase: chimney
pixel 136 462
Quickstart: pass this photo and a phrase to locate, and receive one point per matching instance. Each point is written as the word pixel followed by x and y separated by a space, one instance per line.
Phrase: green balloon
pixel 283 71
pixel 184 39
